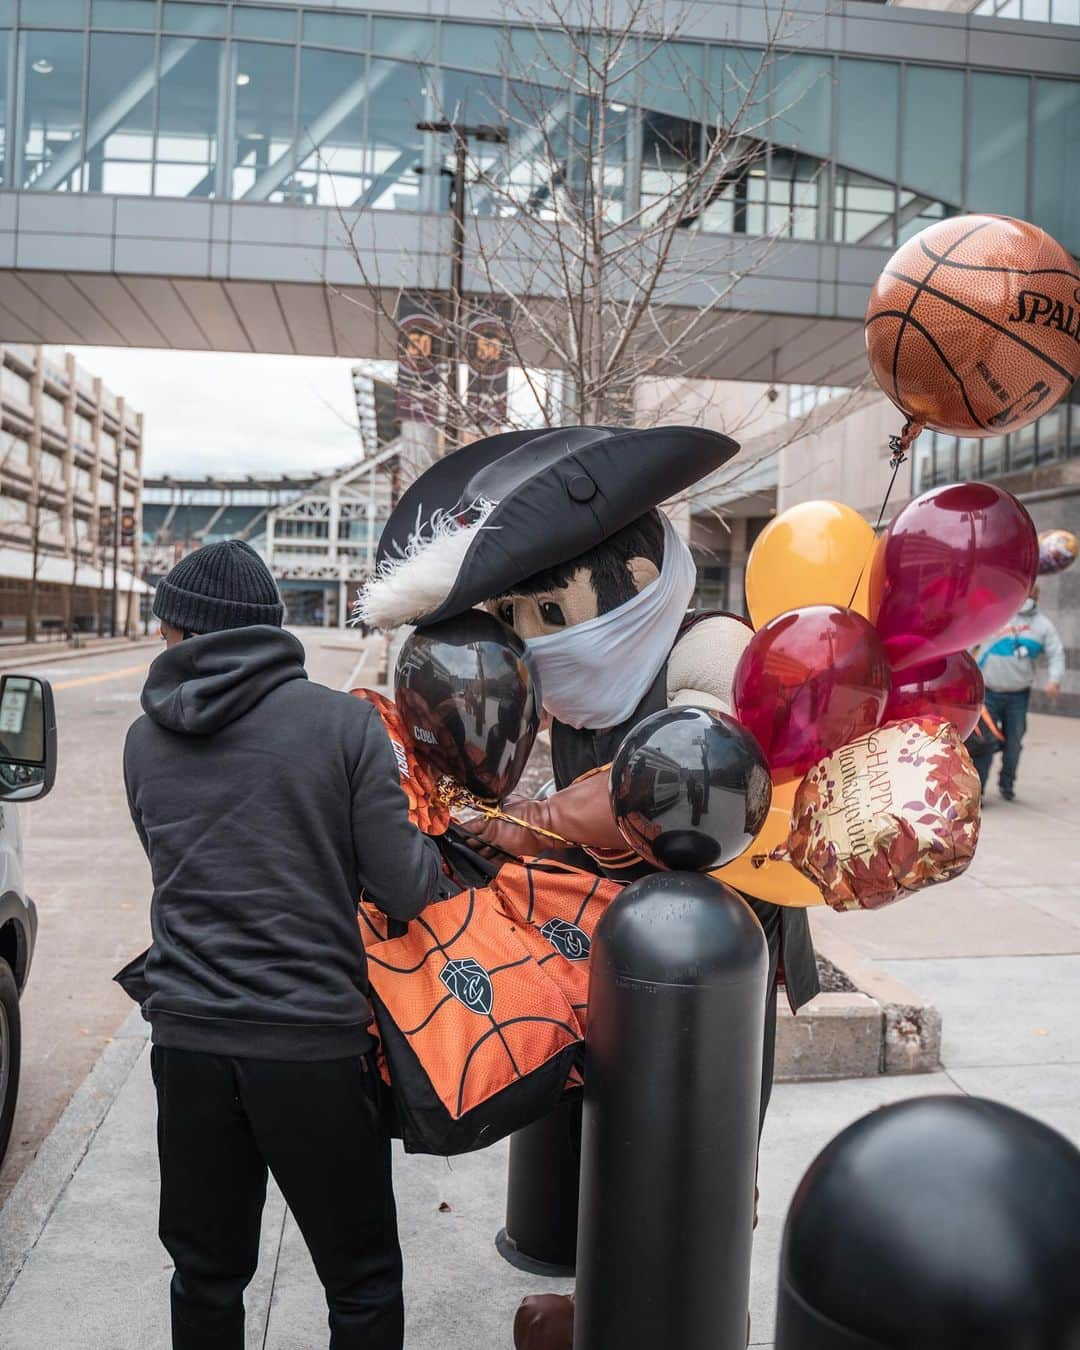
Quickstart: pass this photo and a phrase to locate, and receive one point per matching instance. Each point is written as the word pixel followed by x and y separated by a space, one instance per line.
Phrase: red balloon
pixel 950 687
pixel 953 566
pixel 808 682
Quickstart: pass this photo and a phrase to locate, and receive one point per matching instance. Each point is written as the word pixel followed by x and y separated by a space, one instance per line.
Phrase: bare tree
pixel 598 267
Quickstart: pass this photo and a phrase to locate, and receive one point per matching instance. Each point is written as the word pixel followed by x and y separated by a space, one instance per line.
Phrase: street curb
pixel 882 1027
pixel 42 656
pixel 36 1193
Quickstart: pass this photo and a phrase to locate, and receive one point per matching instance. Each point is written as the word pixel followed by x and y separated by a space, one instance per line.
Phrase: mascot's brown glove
pixel 579 814
pixel 545 1322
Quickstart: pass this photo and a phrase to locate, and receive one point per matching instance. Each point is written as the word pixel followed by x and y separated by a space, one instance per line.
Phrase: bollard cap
pixel 935 1224
pixel 681 928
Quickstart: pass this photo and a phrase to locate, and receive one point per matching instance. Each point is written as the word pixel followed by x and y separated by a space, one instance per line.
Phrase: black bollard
pixel 943 1223
pixel 542 1195
pixel 670 1128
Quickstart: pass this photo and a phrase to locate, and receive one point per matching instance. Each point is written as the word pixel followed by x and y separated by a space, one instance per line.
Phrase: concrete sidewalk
pixel 998 951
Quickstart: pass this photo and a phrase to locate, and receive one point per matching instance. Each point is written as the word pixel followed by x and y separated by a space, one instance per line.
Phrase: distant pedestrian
pixel 266 804
pixel 1008 664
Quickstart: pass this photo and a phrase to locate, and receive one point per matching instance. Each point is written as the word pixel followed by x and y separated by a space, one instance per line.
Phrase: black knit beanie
pixel 224 585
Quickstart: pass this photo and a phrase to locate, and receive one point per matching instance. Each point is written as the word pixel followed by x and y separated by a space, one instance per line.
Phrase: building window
pixel 340 31
pixel 137 14
pixel 14 453
pixel 15 387
pixel 333 97
pixel 13 511
pixel 801 103
pixel 395 105
pixel 51 81
pixel 194 20
pixel 55 13
pixel 51 470
pixel 108 446
pixel 670 155
pixel 1056 182
pixel 997 144
pixel 120 141
pixel 52 411
pixel 263 22
pixel 84 431
pixel 187 130
pixel 262 87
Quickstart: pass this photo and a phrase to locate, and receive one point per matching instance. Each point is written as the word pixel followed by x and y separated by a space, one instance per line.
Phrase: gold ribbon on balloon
pixel 454 796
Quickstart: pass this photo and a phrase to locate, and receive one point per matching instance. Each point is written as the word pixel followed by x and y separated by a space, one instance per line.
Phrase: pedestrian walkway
pixel 19 655
pixel 997 950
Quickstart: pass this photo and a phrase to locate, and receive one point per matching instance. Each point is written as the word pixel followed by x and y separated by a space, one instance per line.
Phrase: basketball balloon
pixel 973 328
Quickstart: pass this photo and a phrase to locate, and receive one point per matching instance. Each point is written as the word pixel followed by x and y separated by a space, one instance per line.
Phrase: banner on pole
pixel 487 352
pixel 421 337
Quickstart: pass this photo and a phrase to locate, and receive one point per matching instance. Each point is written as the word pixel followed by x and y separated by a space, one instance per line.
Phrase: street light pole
pixel 462 134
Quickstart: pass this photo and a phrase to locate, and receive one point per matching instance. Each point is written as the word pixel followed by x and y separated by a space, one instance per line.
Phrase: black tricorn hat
pixel 489 515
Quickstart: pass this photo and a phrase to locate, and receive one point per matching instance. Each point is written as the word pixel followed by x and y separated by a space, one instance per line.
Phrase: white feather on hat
pixel 422 575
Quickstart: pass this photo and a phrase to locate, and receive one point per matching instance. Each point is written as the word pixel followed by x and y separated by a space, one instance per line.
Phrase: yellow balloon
pixel 816 553
pixel 779 882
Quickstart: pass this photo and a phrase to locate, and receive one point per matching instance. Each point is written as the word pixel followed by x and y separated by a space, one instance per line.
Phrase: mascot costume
pixel 559 534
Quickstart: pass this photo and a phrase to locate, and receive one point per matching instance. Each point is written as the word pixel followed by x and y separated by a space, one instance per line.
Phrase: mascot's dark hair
pixel 612 580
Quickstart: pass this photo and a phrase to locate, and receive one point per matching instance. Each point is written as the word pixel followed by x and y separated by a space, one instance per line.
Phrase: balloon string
pixel 899 447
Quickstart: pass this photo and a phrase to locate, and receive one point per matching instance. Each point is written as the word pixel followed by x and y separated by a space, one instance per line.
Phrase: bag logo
pixel 401 757
pixel 567 938
pixel 470 984
pixel 425 736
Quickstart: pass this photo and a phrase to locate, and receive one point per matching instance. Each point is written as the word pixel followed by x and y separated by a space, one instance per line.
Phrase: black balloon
pixel 470 701
pixel 690 789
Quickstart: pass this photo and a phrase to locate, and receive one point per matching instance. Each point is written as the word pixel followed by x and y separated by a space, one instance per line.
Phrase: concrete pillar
pixel 37 381
pixel 68 518
pixel 98 543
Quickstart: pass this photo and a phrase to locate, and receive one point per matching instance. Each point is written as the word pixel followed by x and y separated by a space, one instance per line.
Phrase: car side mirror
pixel 27 738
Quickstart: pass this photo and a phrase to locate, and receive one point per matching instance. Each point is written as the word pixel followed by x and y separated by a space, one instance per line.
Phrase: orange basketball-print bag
pixel 480 1004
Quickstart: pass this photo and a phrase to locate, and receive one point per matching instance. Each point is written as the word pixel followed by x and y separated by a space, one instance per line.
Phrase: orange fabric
pixel 559 908
pixel 417 781
pixel 490 985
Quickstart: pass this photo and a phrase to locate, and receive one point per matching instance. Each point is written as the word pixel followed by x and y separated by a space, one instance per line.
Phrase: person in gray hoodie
pixel 267 804
pixel 1008 663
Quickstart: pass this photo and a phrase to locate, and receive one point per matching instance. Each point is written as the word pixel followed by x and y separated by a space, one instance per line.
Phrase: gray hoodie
pixel 1008 660
pixel 266 805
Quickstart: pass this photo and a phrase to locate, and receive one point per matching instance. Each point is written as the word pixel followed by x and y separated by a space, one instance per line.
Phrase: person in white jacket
pixel 1008 663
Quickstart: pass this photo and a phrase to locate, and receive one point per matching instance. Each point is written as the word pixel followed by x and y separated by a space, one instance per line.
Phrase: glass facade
pixel 1039 11
pixel 302 104
pixel 948 459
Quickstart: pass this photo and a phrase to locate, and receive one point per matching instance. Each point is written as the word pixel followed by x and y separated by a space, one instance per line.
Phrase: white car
pixel 27 771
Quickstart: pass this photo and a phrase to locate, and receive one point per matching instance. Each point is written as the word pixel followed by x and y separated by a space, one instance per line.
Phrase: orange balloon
pixel 778 882
pixel 816 553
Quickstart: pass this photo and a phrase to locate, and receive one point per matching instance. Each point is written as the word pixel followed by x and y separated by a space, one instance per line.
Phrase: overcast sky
pixel 213 412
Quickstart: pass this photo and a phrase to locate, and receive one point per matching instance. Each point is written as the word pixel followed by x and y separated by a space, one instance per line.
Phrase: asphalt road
pixel 89 878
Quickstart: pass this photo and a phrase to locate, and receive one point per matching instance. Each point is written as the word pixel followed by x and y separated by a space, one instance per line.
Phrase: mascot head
pixel 582 588
pixel 557 533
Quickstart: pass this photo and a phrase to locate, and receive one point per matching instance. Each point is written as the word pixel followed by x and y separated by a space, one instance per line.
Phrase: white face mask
pixel 596 673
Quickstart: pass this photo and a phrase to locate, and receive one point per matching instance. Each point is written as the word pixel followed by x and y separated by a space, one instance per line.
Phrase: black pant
pixel 222 1122
pixel 1009 711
